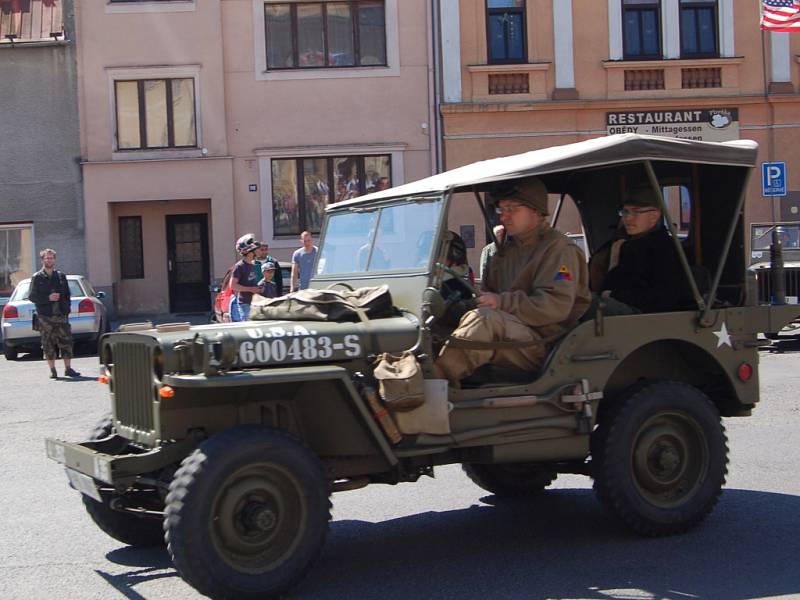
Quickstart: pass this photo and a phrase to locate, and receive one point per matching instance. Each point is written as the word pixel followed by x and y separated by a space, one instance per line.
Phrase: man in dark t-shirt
pixel 244 280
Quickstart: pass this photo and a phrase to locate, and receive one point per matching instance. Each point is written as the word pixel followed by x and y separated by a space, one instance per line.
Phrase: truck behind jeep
pixel 227 440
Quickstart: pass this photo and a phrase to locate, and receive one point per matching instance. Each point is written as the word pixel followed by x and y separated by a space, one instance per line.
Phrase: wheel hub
pixel 259 516
pixel 668 459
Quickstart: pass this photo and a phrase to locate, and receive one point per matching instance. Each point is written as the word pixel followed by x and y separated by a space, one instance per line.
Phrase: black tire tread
pixel 496 479
pixel 139 532
pixel 181 539
pixel 609 475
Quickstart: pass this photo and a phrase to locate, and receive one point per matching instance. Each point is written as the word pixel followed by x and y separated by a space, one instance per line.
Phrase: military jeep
pixel 227 440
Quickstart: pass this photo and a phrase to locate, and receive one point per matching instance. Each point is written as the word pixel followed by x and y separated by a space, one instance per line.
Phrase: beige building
pixel 202 120
pixel 519 75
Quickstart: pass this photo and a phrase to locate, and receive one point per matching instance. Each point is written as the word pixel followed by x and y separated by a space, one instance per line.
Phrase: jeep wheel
pixel 510 480
pixel 141 532
pixel 10 352
pixel 247 513
pixel 660 458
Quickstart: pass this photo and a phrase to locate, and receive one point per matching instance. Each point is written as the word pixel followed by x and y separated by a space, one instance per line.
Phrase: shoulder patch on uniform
pixel 563 274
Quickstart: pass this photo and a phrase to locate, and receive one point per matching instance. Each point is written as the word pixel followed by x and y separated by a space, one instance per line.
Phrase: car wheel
pixel 140 532
pixel 10 352
pixel 510 480
pixel 660 458
pixel 247 513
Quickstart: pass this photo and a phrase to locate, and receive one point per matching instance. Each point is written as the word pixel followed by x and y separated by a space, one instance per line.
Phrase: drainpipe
pixel 435 84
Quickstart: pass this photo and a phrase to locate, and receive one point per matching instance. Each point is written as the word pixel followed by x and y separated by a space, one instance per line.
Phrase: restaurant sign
pixel 708 125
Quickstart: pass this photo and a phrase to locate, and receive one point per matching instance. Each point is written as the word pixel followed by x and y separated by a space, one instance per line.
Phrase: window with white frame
pixel 641 29
pixel 699 29
pixel 303 187
pixel 332 34
pixel 155 113
pixel 16 255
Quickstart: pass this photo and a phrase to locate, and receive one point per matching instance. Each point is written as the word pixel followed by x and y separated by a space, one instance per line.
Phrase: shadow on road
pixel 558 545
pixel 562 545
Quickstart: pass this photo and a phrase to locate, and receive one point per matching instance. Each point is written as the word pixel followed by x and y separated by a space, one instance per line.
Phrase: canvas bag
pixel 400 381
pixel 325 305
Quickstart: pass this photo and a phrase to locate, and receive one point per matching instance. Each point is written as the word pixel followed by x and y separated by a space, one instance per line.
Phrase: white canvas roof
pixel 622 148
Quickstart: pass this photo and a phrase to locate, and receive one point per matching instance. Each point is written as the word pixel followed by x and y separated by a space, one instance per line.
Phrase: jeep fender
pixel 317 403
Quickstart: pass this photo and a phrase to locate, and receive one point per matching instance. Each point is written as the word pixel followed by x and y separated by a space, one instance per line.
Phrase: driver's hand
pixel 489 300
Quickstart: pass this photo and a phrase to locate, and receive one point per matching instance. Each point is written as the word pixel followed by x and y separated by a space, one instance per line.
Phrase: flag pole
pixel 777 283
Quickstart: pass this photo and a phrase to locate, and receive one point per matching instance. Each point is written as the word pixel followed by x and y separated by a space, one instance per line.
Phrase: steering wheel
pixel 341 283
pixel 459 296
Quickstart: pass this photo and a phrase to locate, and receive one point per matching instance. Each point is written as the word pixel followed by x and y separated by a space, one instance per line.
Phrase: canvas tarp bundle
pixel 325 305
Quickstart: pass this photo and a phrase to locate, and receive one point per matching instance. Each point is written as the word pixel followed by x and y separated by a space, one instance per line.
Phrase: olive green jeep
pixel 226 440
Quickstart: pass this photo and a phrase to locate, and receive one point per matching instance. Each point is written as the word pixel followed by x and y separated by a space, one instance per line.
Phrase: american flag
pixel 780 15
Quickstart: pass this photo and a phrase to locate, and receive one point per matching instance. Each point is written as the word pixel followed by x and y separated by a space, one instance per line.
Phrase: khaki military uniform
pixel 542 284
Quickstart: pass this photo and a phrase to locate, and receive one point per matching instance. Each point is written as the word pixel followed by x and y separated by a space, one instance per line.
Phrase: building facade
pixel 205 120
pixel 518 75
pixel 41 201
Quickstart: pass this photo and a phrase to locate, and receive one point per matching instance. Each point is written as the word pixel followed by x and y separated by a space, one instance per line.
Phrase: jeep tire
pixel 247 513
pixel 130 529
pixel 660 458
pixel 510 480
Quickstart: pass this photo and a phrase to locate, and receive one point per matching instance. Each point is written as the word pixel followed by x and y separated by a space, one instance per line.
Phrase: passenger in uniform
pixel 536 290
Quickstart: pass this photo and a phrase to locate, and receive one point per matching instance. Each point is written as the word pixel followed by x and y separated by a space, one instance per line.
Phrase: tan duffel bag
pixel 400 381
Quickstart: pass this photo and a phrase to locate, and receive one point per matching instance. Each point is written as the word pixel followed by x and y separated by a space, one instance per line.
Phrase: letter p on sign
pixel 773 179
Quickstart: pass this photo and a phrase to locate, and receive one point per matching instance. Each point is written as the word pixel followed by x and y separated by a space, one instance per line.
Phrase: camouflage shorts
pixel 56 335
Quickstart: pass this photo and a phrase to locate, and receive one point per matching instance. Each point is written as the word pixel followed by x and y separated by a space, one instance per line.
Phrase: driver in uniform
pixel 536 290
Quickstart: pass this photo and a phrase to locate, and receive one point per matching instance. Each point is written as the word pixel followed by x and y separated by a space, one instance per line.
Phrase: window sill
pixel 150 7
pixel 33 43
pixel 503 82
pixel 332 73
pixel 665 78
pixel 135 155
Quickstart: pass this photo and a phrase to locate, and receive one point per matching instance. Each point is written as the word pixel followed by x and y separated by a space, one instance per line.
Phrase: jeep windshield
pixel 788 234
pixel 391 237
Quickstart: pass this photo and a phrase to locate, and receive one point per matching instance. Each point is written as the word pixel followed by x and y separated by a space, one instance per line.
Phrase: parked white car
pixel 87 317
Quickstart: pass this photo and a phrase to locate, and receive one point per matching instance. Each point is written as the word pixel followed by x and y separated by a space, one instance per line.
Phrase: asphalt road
pixel 438 538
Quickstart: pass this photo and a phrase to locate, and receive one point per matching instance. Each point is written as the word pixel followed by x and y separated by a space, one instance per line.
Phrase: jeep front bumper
pixel 98 460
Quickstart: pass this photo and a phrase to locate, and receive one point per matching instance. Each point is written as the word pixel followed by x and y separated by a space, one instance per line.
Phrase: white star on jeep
pixel 723 337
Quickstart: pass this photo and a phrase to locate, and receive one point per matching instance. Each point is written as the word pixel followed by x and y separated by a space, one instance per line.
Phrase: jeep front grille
pixel 133 388
pixel 791 278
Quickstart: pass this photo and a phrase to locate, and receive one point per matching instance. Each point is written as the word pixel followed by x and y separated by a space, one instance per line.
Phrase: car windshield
pixel 23 290
pixel 789 236
pixel 394 237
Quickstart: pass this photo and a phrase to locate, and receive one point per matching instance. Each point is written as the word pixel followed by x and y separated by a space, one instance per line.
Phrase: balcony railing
pixel 666 78
pixel 517 82
pixel 30 21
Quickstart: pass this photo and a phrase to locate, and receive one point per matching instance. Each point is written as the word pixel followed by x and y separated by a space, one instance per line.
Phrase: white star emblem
pixel 723 337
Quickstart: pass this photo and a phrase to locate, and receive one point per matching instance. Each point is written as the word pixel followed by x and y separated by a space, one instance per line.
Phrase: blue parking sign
pixel 773 179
